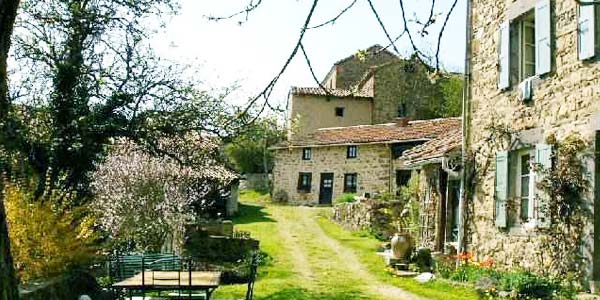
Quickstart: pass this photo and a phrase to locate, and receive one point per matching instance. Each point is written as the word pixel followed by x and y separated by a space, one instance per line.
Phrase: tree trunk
pixel 8 282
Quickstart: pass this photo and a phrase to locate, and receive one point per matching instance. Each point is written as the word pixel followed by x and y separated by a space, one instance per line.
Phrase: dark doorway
pixel 326 190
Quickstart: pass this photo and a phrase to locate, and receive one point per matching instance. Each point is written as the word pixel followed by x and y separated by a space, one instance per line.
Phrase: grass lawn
pixel 313 258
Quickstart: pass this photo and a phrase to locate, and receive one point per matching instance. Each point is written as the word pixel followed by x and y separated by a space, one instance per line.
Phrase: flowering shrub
pixel 144 199
pixel 45 241
pixel 491 283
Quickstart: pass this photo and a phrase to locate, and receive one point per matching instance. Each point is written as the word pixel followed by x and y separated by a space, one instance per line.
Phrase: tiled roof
pixel 318 91
pixel 435 148
pixel 380 133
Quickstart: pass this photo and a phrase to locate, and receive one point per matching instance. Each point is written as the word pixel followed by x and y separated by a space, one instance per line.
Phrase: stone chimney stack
pixel 403 121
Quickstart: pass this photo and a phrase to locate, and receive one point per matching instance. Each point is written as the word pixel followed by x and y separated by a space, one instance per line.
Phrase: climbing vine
pixel 567 184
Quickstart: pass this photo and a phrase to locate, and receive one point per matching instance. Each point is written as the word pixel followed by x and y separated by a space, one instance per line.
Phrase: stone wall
pixel 258 181
pixel 564 101
pixel 351 70
pixel 203 247
pixel 405 82
pixel 63 288
pixel 369 215
pixel 310 112
pixel 372 166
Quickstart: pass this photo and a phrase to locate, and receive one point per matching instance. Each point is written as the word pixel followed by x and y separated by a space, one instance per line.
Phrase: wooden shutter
pixel 543 158
pixel 586 32
pixel 504 55
pixel 543 57
pixel 501 188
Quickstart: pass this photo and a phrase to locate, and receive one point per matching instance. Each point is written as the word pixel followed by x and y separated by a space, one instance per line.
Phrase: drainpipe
pixel 465 133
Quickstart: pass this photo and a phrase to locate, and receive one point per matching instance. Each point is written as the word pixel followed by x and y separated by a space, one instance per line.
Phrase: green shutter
pixel 543 57
pixel 586 31
pixel 504 56
pixel 543 158
pixel 501 190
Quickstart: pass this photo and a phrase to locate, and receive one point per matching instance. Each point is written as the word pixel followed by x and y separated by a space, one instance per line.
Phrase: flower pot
pixel 401 244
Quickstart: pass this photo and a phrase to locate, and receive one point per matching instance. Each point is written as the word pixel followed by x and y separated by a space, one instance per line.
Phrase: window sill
pixel 524 229
pixel 304 191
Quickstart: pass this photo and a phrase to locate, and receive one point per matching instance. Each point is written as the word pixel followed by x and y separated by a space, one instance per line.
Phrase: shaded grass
pixel 365 247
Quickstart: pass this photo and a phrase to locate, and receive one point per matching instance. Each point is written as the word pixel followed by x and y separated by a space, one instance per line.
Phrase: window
pixel 525 185
pixel 524 47
pixel 304 182
pixel 350 183
pixel 339 111
pixel 403 177
pixel 516 178
pixel 306 154
pixel 352 152
pixel 522 52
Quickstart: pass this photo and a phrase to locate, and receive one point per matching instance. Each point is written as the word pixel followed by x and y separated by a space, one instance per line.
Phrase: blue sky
pixel 251 54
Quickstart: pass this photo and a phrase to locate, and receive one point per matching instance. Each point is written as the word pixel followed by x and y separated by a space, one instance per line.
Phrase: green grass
pixel 318 272
pixel 364 246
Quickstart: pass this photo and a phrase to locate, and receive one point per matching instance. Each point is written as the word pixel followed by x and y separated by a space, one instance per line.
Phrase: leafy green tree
pixel 249 151
pixel 96 79
pixel 452 89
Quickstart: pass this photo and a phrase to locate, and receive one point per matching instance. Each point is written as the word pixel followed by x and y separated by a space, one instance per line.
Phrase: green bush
pixel 345 198
pixel 491 283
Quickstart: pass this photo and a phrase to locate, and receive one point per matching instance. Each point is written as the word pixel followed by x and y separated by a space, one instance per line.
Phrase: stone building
pixel 372 87
pixel 437 165
pixel 534 73
pixel 364 159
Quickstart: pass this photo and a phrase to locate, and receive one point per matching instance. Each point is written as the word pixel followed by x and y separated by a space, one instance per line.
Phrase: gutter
pixel 465 131
pixel 348 144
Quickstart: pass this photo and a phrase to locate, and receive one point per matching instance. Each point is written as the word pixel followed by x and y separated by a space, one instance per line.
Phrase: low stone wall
pixel 367 215
pixel 257 181
pixel 203 246
pixel 63 288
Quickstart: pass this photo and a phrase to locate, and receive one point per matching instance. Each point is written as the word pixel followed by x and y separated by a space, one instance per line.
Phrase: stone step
pixel 405 274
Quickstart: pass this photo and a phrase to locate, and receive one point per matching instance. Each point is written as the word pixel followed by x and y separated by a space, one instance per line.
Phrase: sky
pixel 225 53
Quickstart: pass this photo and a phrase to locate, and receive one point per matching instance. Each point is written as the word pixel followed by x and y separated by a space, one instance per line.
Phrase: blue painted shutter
pixel 586 32
pixel 501 188
pixel 543 57
pixel 504 55
pixel 543 158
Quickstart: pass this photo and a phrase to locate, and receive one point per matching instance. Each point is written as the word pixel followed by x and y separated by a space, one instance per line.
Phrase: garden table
pixel 172 280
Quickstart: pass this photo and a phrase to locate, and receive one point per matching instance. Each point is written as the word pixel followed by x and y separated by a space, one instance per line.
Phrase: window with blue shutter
pixel 586 39
pixel 543 57
pixel 501 189
pixel 543 158
pixel 504 55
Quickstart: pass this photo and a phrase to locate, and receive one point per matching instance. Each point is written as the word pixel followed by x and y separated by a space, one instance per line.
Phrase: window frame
pixel 352 154
pixel 304 186
pixel 339 111
pixel 306 153
pixel 518 180
pixel 353 187
pixel 519 44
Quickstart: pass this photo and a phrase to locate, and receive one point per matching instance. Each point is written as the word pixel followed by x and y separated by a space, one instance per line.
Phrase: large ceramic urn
pixel 401 244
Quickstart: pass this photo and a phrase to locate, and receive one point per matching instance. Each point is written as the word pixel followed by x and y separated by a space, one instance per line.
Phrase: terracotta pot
pixel 401 244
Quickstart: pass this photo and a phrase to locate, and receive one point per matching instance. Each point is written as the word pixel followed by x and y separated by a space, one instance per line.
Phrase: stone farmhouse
pixel 348 134
pixel 362 159
pixel 534 73
pixel 374 88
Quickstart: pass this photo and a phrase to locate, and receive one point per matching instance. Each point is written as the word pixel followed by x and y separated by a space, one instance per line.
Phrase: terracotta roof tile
pixel 380 133
pixel 317 91
pixel 435 148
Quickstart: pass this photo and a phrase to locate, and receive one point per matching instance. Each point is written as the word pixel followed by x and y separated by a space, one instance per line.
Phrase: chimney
pixel 402 122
